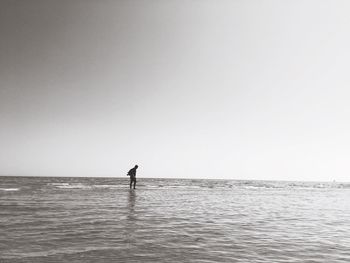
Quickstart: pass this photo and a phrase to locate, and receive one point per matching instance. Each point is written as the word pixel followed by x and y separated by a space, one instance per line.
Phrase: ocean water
pixel 172 220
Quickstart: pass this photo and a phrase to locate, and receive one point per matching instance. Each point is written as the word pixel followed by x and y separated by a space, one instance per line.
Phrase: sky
pixel 225 89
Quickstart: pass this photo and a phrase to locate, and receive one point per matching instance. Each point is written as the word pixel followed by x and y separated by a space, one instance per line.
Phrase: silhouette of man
pixel 132 174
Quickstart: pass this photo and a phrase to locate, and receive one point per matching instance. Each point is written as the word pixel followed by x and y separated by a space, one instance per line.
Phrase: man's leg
pixel 135 183
pixel 130 183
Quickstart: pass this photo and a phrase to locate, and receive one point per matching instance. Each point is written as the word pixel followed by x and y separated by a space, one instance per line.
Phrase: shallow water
pixel 168 220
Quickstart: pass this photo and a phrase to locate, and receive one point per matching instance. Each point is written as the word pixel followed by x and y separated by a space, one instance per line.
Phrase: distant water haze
pixel 190 89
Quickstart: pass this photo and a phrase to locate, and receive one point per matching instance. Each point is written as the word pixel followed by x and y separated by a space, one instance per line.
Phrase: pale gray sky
pixel 198 89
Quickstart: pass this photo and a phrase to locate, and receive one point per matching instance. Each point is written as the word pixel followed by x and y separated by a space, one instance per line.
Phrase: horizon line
pixel 177 178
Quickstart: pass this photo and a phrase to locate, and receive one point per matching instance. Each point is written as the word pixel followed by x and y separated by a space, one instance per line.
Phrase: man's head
pixel 136 166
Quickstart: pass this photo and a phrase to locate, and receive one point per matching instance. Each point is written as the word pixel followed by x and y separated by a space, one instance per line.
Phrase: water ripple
pixel 100 220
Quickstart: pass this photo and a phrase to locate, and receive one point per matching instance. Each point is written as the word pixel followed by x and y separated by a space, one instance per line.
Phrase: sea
pixel 61 219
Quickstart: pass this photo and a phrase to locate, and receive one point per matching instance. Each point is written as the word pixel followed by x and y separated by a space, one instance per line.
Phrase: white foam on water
pixel 84 186
pixel 59 185
pixel 9 189
pixel 71 186
pixel 108 186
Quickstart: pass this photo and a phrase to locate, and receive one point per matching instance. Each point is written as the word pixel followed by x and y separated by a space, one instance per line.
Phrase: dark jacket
pixel 132 172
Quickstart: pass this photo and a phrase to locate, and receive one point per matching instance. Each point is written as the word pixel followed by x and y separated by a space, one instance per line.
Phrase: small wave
pixel 9 189
pixel 108 186
pixel 211 186
pixel 84 186
pixel 53 252
pixel 70 186
pixel 253 187
pixel 60 185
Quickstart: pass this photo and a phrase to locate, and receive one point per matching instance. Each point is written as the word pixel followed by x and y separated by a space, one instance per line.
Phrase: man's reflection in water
pixel 131 218
pixel 131 205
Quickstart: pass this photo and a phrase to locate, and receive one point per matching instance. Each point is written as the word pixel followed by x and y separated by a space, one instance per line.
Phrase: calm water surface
pixel 168 220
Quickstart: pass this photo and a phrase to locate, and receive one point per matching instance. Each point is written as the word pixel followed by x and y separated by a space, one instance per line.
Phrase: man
pixel 132 174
